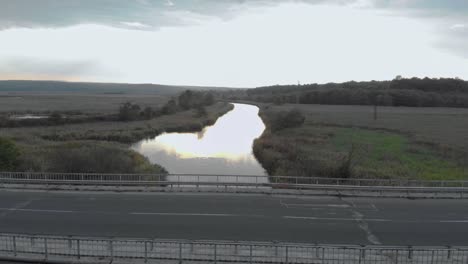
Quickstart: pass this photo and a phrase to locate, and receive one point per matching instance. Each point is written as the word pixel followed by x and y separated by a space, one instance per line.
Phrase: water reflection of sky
pixel 224 148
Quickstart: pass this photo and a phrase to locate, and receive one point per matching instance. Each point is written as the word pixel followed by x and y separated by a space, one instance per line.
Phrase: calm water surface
pixel 224 148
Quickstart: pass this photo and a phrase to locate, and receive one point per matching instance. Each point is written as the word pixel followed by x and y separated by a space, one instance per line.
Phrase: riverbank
pixel 101 146
pixel 346 141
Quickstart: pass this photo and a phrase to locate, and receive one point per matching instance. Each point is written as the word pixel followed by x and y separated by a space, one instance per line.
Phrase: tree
pixel 9 154
pixel 148 112
pixel 129 112
pixel 186 100
pixel 209 99
pixel 170 107
pixel 56 118
pixel 201 111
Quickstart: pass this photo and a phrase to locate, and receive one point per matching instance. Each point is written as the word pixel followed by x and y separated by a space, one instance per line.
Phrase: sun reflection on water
pixel 225 147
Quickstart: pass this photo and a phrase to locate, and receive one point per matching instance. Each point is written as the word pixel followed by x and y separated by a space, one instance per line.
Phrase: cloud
pixel 134 25
pixel 151 13
pixel 443 23
pixel 457 27
pixel 35 68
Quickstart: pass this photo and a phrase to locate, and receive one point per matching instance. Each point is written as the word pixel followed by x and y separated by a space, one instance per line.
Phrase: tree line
pixel 185 101
pixel 414 92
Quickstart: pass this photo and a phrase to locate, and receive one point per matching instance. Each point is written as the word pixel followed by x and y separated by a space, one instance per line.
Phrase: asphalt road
pixel 237 217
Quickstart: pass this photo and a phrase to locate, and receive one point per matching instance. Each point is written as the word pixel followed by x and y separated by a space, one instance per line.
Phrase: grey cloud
pixel 119 13
pixel 154 13
pixel 32 66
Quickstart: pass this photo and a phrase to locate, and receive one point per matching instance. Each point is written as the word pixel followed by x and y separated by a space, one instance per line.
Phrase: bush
pixel 98 158
pixel 9 154
pixel 287 119
pixel 129 112
pixel 56 118
pixel 200 111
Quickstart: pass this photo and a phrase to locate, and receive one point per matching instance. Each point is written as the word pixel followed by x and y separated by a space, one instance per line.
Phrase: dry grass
pixel 126 132
pixel 85 103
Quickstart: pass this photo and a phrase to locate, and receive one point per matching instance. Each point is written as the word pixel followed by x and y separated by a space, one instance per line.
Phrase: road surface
pixel 328 220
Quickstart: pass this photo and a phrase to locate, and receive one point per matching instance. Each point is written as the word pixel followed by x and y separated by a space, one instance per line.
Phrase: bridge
pixel 46 206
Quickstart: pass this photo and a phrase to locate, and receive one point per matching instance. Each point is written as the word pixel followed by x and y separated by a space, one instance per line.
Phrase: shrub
pixel 129 112
pixel 98 158
pixel 287 119
pixel 200 111
pixel 9 154
pixel 56 118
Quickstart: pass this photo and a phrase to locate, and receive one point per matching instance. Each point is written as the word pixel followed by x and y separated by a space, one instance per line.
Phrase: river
pixel 224 148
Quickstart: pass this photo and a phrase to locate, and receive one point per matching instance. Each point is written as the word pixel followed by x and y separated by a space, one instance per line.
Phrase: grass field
pixel 94 146
pixel 22 102
pixel 418 143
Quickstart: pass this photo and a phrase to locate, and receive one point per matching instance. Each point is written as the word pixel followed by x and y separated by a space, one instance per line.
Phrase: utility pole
pixel 376 103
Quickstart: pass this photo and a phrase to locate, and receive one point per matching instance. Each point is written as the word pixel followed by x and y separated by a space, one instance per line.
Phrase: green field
pixel 415 143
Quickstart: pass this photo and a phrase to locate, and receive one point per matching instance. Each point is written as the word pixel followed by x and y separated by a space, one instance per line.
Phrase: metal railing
pixel 275 183
pixel 233 179
pixel 155 250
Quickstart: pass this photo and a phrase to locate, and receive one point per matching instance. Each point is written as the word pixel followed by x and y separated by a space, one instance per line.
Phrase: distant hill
pixel 96 88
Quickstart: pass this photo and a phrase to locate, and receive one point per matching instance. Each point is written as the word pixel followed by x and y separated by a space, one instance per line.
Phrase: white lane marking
pixel 334 218
pixel 284 204
pixel 35 210
pixel 17 206
pixel 187 214
pixel 453 221
pixel 323 206
pixel 363 224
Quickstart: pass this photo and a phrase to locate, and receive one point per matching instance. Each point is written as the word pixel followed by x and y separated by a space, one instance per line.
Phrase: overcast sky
pixel 237 43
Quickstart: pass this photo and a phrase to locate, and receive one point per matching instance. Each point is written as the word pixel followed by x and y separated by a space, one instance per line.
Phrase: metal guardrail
pixel 37 247
pixel 232 179
pixel 457 189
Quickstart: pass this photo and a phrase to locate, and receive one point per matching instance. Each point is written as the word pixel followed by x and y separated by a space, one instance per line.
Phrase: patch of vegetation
pixel 9 154
pixel 85 157
pixel 344 152
pixel 390 155
pixel 286 119
pixel 131 132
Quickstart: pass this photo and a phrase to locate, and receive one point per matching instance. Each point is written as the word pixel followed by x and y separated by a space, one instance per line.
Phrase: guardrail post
pixel 69 242
pixel 215 253
pixel 251 254
pixel 111 249
pixel 362 254
pixel 410 252
pixel 449 252
pixel 14 246
pixel 46 251
pixel 287 255
pixel 146 251
pixel 78 251
pixel 180 252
